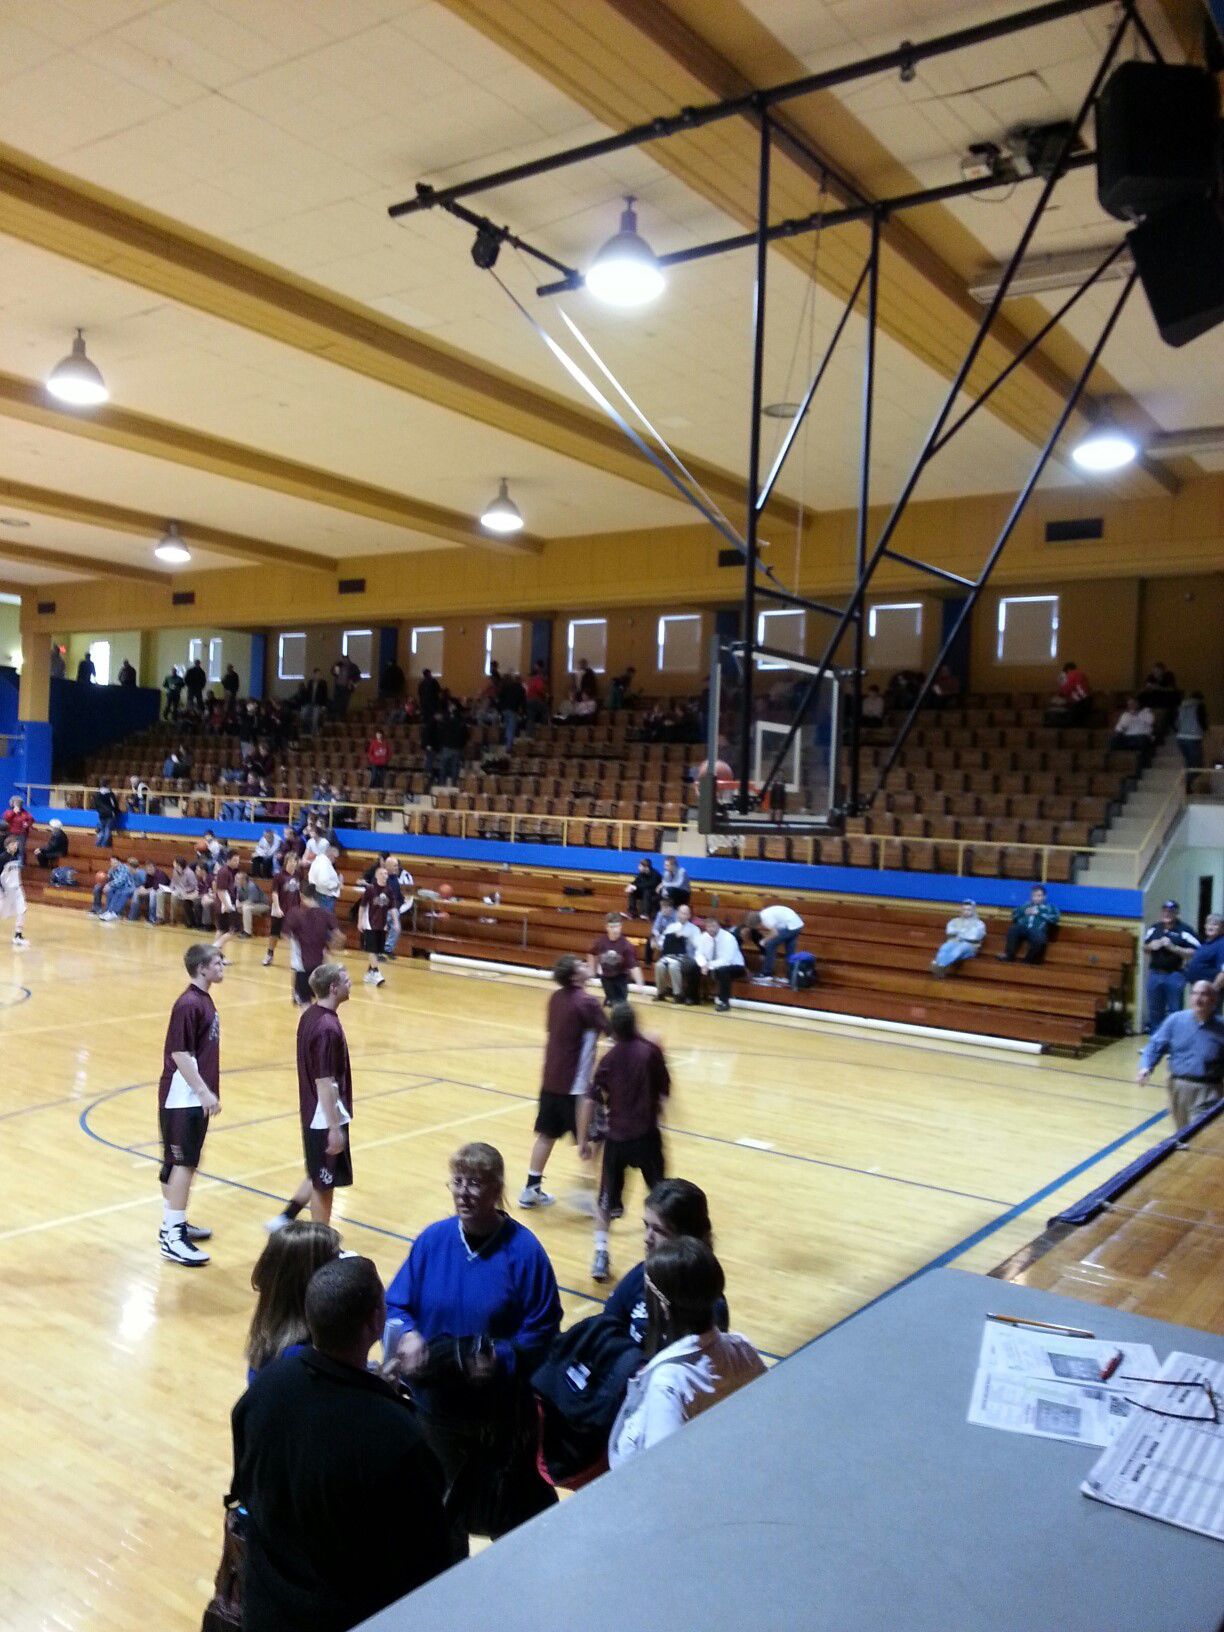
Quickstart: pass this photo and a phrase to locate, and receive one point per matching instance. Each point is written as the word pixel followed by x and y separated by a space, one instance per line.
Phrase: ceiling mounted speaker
pixel 1180 257
pixel 1157 138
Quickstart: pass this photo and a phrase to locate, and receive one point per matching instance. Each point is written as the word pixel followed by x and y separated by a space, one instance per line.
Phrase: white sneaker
pixel 272 1225
pixel 534 1196
pixel 601 1265
pixel 378 979
pixel 19 941
pixel 368 978
pixel 178 1249
pixel 108 917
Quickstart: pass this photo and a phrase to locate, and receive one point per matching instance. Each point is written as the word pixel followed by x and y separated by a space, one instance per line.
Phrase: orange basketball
pixel 99 878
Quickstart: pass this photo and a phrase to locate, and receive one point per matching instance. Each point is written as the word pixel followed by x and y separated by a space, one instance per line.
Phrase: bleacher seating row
pixel 873 959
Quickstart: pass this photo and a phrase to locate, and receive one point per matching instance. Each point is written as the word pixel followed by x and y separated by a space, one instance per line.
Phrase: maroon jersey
pixel 631 1080
pixel 614 957
pixel 322 1051
pixel 312 929
pixel 223 881
pixel 575 1021
pixel 195 1029
pixel 155 879
pixel 377 903
pixel 287 888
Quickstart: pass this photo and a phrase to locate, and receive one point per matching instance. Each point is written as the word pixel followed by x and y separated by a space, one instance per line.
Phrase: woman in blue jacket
pixel 673 1208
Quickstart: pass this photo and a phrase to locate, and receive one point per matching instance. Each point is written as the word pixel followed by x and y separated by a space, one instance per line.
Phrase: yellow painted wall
pixel 1182 624
pixel 124 643
pixel 169 648
pixel 323 647
pixel 10 634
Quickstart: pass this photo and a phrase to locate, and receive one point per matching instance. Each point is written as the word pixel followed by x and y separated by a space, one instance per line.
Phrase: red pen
pixel 1110 1366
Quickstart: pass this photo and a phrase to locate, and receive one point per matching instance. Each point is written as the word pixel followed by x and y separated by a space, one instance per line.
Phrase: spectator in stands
pixel 429 695
pixel 674 884
pixel 127 674
pixel 536 693
pixel 945 688
pixel 378 757
pixel 719 955
pixel 203 878
pixel 391 682
pixel 195 680
pixel 172 685
pixel 17 824
pixel 676 939
pixel 693 1365
pixel 642 890
pixel 151 883
pixel 873 706
pixel 902 690
pixel 1169 945
pixel 112 893
pixel 1031 924
pixel 453 738
pixel 1208 962
pixel 250 901
pixel 964 936
pixel 53 852
pixel 86 671
pixel 138 795
pixel 1074 695
pixel 1190 729
pixel 230 685
pixel 107 807
pixel 511 701
pixel 1193 1039
pixel 281 1275
pixel 59 666
pixel 478 1307
pixel 184 893
pixel 586 685
pixel 323 876
pixel 344 677
pixel 1134 728
pixel 343 1500
pixel 613 957
pixel 263 857
pixel 1160 688
pixel 621 689
pixel 674 1207
pixel 782 927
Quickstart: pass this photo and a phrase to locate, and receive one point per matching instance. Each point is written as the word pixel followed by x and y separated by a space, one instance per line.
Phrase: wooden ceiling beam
pixel 118 518
pixel 86 566
pixel 57 212
pixel 116 427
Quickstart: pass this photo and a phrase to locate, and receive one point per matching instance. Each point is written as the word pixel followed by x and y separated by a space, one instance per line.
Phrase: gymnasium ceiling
pixel 202 185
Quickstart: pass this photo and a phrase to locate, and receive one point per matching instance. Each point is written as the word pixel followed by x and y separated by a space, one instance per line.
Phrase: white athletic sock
pixel 171 1216
pixel 601 1240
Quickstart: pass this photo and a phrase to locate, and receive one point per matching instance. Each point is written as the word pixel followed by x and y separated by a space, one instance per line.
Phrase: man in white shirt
pixel 965 934
pixel 718 953
pixel 326 880
pixel 677 939
pixel 1134 727
pixel 782 929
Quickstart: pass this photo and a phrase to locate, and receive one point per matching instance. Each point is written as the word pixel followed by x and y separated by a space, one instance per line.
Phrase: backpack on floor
pixel 579 1390
pixel 63 878
pixel 802 970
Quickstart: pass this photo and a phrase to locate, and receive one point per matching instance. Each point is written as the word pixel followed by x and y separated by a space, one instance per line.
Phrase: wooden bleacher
pixel 873 958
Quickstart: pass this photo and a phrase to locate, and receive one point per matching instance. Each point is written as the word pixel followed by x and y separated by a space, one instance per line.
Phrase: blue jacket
pixel 506 1291
pixel 627 1305
pixel 1207 961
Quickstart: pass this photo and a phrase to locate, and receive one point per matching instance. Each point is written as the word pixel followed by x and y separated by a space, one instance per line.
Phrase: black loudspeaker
pixel 1180 257
pixel 1157 136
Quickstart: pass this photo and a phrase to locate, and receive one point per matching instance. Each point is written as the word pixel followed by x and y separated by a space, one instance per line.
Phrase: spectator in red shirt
pixel 1076 694
pixel 18 821
pixel 537 696
pixel 378 756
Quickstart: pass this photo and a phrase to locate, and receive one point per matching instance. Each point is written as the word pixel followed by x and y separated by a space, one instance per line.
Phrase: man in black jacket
pixel 344 1500
pixel 108 809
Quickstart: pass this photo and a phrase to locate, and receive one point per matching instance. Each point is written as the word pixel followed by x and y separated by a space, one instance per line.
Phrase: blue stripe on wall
pixel 777 877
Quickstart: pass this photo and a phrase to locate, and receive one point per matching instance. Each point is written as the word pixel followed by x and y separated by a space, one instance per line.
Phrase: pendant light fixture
pixel 75 380
pixel 502 515
pixel 626 271
pixel 1107 447
pixel 171 549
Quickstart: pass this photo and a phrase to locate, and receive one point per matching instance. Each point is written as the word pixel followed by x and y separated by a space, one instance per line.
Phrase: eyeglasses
pixel 467 1184
pixel 1213 1405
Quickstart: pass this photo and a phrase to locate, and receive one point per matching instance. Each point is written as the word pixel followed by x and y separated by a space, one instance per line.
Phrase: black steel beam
pixel 929 567
pixel 864 503
pixel 750 102
pixel 754 460
pixel 772 592
pixel 504 236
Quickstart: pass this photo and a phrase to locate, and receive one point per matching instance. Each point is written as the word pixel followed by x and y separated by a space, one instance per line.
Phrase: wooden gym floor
pixel 838 1162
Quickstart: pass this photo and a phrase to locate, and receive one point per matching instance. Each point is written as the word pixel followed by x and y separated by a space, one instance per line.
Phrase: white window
pixel 588 637
pixel 680 642
pixel 785 630
pixel 358 644
pixel 214 658
pixel 503 646
pixel 1028 629
pixel 99 651
pixel 291 657
pixel 894 635
pixel 426 649
pixel 195 651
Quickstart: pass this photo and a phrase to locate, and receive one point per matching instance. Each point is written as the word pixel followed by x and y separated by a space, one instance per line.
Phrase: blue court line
pixel 24 996
pixel 941 1260
pixel 270 1195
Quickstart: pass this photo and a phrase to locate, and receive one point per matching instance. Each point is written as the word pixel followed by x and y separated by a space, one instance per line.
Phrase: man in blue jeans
pixel 107 807
pixel 1169 945
pixel 782 929
pixel 116 891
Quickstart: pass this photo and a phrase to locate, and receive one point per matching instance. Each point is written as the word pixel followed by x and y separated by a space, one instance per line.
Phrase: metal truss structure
pixel 870 555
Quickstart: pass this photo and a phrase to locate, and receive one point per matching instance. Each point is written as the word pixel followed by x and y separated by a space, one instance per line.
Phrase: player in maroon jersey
pixel 325 1098
pixel 188 1095
pixel 286 893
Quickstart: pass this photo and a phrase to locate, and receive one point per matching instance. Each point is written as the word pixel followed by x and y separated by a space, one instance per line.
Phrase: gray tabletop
pixel 845 1491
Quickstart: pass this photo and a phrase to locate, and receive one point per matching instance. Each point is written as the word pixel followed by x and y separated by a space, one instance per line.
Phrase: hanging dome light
pixel 502 515
pixel 626 272
pixel 171 549
pixel 75 379
pixel 1107 447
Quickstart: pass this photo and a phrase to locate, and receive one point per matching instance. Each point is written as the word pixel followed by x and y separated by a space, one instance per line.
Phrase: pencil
pixel 1040 1325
